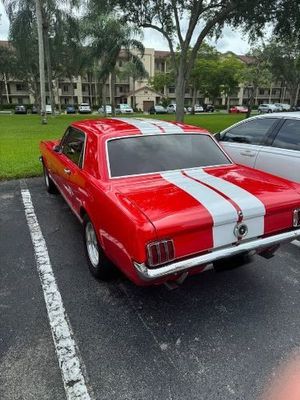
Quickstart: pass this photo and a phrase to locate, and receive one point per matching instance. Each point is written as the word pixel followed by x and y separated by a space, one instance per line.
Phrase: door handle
pixel 247 153
pixel 67 171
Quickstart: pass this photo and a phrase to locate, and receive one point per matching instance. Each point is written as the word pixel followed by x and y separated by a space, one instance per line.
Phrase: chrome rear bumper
pixel 256 245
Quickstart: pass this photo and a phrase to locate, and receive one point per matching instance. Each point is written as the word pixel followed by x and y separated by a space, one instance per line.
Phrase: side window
pixel 73 145
pixel 288 136
pixel 252 132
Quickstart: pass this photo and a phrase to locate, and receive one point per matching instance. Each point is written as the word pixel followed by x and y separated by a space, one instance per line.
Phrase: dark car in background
pixel 158 109
pixel 20 110
pixel 208 108
pixel 70 109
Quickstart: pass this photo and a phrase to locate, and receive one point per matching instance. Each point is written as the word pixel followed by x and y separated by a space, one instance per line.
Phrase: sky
pixel 230 41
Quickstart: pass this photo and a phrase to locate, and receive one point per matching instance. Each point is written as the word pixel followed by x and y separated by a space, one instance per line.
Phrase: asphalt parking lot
pixel 218 336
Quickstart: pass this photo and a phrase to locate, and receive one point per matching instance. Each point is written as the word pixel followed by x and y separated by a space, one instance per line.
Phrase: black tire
pixel 99 265
pixel 269 111
pixel 50 185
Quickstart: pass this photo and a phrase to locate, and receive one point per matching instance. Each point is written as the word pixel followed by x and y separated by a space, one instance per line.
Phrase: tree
pixel 7 68
pixel 107 37
pixel 38 10
pixel 256 74
pixel 229 71
pixel 135 70
pixel 161 80
pixel 203 19
pixel 284 62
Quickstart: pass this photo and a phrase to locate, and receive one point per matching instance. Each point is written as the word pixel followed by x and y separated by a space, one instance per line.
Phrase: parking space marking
pixel 67 353
pixel 296 242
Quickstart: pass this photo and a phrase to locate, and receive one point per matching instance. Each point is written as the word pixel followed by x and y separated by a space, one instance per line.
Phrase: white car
pixel 84 108
pixel 171 108
pixel 197 109
pixel 268 108
pixel 48 109
pixel 268 142
pixel 124 109
pixel 107 108
pixel 283 106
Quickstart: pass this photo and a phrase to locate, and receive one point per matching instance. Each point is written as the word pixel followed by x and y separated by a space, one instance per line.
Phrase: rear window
pixel 157 153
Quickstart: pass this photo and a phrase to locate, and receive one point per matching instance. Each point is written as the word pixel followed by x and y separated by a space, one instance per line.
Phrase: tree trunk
pixel 6 89
pixel 104 97
pixel 49 67
pixel 194 100
pixel 250 101
pixel 57 92
pixel 41 59
pixel 294 95
pixel 180 92
pixel 133 97
pixel 112 91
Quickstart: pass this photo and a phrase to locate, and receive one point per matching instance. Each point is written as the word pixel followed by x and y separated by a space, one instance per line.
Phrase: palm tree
pixel 107 37
pixel 134 69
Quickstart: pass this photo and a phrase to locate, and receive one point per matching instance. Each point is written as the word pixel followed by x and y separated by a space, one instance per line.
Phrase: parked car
pixel 208 107
pixel 197 109
pixel 158 109
pixel 268 108
pixel 20 110
pixel 84 108
pixel 107 108
pixel 295 108
pixel 48 109
pixel 171 108
pixel 238 109
pixel 124 109
pixel 268 142
pixel 70 109
pixel 283 106
pixel 162 200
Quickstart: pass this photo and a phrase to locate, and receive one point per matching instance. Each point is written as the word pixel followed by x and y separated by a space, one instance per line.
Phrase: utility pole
pixel 41 59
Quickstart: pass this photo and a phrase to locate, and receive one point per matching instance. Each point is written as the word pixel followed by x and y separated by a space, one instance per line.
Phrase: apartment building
pixel 85 88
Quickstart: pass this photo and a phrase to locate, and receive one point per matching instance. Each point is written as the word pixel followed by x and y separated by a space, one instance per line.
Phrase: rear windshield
pixel 157 153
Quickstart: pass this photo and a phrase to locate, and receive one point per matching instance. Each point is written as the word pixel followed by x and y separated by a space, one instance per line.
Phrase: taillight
pixel 160 252
pixel 296 217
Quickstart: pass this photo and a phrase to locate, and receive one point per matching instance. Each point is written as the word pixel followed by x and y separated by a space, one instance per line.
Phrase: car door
pixel 244 140
pixel 69 166
pixel 282 157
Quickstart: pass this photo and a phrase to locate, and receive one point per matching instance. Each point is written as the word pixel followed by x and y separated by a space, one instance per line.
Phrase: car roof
pixel 116 127
pixel 282 115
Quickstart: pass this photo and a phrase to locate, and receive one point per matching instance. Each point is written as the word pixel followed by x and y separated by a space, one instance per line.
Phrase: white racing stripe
pixel 65 346
pixel 223 213
pixel 145 127
pixel 252 208
pixel 166 126
pixel 150 126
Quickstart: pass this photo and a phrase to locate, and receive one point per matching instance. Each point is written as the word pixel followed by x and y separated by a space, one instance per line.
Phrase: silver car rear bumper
pixel 255 246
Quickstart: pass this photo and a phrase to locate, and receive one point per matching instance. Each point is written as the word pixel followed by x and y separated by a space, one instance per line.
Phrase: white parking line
pixel 65 346
pixel 296 242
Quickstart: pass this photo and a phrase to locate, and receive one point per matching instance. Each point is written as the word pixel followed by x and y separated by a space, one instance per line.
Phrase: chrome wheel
pixel 92 244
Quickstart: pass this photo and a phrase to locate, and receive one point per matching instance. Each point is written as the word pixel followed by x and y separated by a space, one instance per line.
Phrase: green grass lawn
pixel 20 136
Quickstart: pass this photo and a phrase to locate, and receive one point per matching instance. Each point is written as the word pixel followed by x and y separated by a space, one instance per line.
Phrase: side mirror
pixel 57 148
pixel 218 136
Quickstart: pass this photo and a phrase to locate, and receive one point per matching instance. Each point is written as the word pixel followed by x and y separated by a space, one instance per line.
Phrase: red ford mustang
pixel 162 200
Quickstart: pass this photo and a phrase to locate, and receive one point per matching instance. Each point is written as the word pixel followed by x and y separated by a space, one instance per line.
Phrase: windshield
pixel 137 155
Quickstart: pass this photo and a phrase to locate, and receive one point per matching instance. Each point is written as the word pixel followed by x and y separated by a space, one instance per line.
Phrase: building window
pixel 121 89
pixel 171 90
pixel 20 100
pixel 65 88
pixel 75 85
pixel 20 87
pixel 85 88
